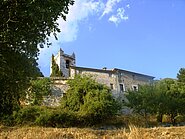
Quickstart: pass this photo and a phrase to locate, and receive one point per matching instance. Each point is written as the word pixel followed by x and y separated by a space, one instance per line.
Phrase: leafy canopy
pixel 89 99
pixel 24 25
pixel 166 96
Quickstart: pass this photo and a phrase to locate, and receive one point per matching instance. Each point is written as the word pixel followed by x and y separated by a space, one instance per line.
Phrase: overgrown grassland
pixel 87 133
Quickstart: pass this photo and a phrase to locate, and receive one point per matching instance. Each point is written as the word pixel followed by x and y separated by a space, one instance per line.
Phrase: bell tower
pixel 64 61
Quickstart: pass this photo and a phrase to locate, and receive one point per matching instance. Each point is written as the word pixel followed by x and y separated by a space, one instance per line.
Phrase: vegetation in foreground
pixel 164 97
pixel 24 25
pixel 88 103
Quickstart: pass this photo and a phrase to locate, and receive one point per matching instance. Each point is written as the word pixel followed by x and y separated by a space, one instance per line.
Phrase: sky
pixel 143 36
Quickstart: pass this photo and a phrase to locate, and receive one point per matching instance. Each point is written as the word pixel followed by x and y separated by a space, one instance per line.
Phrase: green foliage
pixel 27 115
pixel 174 100
pixel 91 100
pixel 43 116
pixel 23 26
pixel 37 90
pixel 181 75
pixel 56 118
pixel 166 96
pixel 16 68
pixel 56 72
pixel 142 101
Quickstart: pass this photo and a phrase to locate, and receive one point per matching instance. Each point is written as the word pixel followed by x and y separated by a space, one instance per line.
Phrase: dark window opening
pixel 67 64
pixel 121 87
pixel 111 86
pixel 135 88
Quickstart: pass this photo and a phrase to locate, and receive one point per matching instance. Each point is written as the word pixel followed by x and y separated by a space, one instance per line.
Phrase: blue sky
pixel 144 36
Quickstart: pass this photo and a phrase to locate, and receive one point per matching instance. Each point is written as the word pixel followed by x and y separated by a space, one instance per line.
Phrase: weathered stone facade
pixel 58 89
pixel 117 79
pixel 64 61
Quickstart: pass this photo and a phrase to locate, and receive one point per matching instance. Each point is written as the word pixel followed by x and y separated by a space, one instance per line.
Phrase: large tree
pixel 90 99
pixel 164 97
pixel 24 24
pixel 142 101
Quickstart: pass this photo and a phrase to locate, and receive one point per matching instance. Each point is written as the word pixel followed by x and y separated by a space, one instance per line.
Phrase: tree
pixel 181 75
pixel 16 69
pixel 142 101
pixel 90 99
pixel 56 72
pixel 23 26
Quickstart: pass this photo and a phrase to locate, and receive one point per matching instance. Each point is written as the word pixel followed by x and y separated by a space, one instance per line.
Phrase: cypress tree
pixel 56 72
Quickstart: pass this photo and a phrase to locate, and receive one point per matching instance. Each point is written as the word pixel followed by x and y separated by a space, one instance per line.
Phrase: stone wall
pixel 131 80
pixel 104 77
pixel 119 81
pixel 58 89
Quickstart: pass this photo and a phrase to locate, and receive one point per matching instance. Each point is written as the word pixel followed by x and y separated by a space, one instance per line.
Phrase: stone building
pixel 118 80
pixel 64 61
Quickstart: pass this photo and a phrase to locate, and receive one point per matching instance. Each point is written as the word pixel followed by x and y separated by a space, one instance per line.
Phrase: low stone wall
pixel 58 89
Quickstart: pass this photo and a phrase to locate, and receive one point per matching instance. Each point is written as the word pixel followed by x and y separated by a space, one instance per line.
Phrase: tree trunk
pixel 160 117
pixel 173 120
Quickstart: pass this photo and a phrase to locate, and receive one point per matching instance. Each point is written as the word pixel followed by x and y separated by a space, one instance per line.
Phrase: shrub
pixel 92 101
pixel 27 115
pixel 37 90
pixel 43 116
pixel 7 120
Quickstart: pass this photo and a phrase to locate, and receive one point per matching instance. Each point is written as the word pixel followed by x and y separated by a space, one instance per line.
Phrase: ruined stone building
pixel 118 80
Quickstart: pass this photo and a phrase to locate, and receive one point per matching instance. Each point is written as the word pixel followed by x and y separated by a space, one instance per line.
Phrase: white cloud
pixel 78 13
pixel 119 16
pixel 114 19
pixel 109 6
pixel 128 6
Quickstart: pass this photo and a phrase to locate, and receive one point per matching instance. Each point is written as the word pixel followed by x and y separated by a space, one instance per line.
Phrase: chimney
pixel 104 68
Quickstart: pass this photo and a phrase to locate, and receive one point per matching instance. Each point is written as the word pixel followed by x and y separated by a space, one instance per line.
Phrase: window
pixel 121 87
pixel 135 87
pixel 67 64
pixel 111 86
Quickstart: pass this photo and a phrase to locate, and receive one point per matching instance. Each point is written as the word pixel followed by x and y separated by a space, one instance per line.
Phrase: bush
pixel 37 90
pixel 7 120
pixel 180 118
pixel 56 118
pixel 93 102
pixel 27 115
pixel 43 116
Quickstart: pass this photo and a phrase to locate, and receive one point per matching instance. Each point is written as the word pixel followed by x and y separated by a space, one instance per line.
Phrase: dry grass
pixel 87 133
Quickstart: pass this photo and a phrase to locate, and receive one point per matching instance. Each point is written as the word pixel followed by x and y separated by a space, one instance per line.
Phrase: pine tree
pixel 181 75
